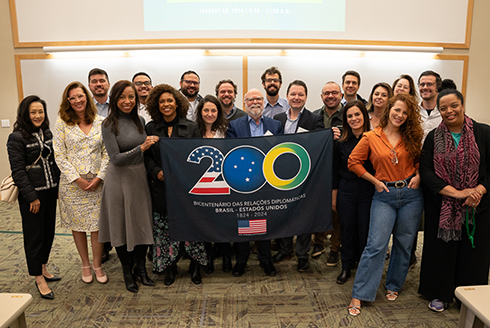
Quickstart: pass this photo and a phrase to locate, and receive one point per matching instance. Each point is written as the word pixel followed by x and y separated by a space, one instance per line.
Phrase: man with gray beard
pixel 253 125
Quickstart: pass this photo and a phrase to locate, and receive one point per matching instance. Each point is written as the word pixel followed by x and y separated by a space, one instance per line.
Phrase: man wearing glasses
pixel 189 86
pixel 142 84
pixel 98 83
pixel 272 81
pixel 429 82
pixel 253 125
pixel 331 111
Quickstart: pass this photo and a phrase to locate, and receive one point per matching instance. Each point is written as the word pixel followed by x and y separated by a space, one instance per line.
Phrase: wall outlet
pixel 5 123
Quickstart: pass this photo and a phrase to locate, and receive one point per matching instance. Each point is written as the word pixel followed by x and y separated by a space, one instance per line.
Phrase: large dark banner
pixel 230 190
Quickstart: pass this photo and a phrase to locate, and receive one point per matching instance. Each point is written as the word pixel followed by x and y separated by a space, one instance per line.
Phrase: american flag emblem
pixel 252 227
pixel 207 184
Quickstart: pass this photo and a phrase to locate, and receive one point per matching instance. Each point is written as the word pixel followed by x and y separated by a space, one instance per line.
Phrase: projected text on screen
pixel 287 15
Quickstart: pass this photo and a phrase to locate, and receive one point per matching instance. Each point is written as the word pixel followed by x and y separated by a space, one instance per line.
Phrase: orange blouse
pixel 375 146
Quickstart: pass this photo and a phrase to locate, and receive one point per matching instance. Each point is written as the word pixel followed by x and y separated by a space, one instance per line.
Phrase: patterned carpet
pixel 291 299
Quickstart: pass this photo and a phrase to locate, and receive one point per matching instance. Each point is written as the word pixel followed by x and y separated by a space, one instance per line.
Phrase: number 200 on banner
pixel 245 169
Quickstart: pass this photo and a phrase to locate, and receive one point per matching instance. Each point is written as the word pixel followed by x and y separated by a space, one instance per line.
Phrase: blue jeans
pixel 398 211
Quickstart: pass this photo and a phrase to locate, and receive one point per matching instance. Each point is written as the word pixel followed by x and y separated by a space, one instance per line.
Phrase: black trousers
pixel 303 243
pixel 243 251
pixel 38 229
pixel 354 207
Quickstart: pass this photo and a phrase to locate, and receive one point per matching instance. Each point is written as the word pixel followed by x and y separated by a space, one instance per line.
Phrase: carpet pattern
pixel 289 300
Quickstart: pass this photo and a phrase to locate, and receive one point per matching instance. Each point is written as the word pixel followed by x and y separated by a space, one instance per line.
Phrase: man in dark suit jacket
pixel 297 116
pixel 253 125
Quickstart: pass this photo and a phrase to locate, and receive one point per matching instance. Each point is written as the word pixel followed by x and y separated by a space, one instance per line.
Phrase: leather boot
pixel 195 272
pixel 140 272
pixel 129 279
pixel 170 274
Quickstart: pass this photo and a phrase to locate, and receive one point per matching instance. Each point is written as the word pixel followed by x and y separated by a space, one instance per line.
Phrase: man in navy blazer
pixel 253 125
pixel 297 116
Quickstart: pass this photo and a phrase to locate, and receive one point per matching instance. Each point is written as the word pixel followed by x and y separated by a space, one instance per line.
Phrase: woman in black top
pixel 351 195
pixel 168 110
pixel 34 171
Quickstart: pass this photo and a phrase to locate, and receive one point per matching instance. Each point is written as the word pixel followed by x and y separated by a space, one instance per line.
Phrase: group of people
pixel 103 160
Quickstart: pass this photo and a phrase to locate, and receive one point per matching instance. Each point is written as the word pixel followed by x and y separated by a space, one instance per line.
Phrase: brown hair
pixel 221 123
pixel 411 131
pixel 347 130
pixel 67 113
pixel 411 83
pixel 153 99
pixel 114 111
pixel 377 85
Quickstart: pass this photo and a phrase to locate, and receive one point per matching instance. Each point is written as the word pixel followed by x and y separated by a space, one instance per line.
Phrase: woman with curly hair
pixel 394 150
pixel 168 109
pixel 378 99
pixel 81 156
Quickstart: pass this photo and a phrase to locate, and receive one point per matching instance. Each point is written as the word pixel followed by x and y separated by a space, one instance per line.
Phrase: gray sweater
pixel 124 148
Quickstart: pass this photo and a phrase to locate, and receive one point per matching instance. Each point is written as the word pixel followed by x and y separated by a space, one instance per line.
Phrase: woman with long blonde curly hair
pixel 394 150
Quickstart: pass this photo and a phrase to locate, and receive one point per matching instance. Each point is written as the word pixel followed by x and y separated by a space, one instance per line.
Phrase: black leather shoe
pixel 343 277
pixel 333 258
pixel 48 296
pixel 318 249
pixel 210 267
pixel 140 272
pixel 303 265
pixel 279 257
pixel 53 278
pixel 129 279
pixel 269 268
pixel 227 263
pixel 170 274
pixel 195 272
pixel 239 269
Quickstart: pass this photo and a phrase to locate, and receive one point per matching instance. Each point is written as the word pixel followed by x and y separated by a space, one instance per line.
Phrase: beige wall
pixel 479 71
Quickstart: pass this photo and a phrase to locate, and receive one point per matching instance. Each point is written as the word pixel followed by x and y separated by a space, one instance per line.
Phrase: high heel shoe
pixel 48 296
pixel 103 279
pixel 129 279
pixel 87 279
pixel 140 272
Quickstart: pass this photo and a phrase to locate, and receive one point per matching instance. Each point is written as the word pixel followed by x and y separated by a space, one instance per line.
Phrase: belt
pixel 399 183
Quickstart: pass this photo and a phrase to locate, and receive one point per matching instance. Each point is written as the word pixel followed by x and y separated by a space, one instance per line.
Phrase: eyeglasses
pixel 145 83
pixel 428 84
pixel 272 80
pixel 76 98
pixel 333 93
pixel 394 158
pixel 191 82
pixel 251 100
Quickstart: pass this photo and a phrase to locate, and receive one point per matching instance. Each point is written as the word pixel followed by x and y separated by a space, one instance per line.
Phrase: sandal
pixel 391 296
pixel 354 310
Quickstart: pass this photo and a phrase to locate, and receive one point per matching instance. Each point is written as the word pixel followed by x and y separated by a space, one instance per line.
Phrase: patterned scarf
pixel 459 168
